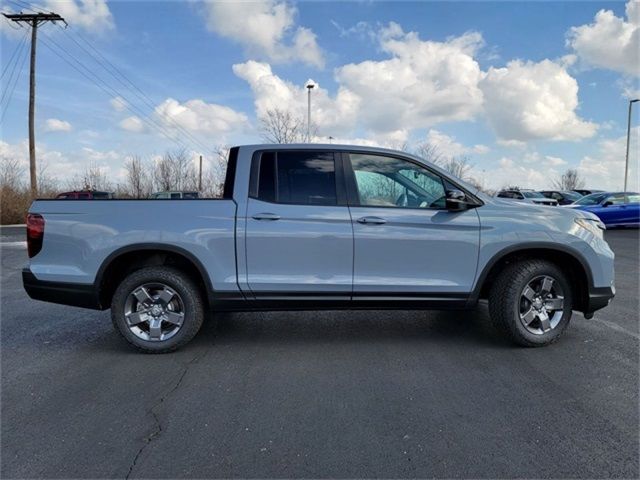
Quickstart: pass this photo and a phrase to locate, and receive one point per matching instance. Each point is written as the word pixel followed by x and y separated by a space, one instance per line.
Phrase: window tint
pixel 101 195
pixel 392 182
pixel 84 195
pixel 302 178
pixel 175 195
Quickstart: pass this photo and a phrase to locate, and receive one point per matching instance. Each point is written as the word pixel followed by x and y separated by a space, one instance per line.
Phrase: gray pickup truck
pixel 314 227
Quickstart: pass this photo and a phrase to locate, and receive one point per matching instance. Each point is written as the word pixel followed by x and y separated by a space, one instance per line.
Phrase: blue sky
pixel 525 89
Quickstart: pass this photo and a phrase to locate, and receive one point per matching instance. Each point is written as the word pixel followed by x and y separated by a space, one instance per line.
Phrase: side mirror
pixel 455 200
pixel 607 204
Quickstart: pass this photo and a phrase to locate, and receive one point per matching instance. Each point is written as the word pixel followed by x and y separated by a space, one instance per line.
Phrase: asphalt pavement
pixel 319 394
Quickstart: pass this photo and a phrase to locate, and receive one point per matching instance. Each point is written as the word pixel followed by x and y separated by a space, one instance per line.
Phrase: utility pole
pixel 626 159
pixel 200 176
pixel 34 20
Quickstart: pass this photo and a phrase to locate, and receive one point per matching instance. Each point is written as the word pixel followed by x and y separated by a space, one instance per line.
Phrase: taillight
pixel 35 233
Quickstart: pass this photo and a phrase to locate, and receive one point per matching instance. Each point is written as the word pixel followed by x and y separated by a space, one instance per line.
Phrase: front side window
pixel 633 197
pixel 301 178
pixel 617 199
pixel 593 199
pixel 393 182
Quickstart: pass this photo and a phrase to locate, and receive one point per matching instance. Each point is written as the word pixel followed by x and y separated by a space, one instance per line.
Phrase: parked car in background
pixel 85 195
pixel 563 197
pixel 526 196
pixel 586 191
pixel 320 227
pixel 175 195
pixel 615 209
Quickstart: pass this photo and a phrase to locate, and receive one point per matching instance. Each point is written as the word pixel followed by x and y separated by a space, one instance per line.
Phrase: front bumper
pixel 74 294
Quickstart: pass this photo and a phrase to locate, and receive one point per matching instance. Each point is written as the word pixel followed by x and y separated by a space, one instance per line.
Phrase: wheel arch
pixel 571 261
pixel 125 260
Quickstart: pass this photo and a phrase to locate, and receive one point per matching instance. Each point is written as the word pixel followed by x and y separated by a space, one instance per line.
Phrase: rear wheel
pixel 157 309
pixel 531 301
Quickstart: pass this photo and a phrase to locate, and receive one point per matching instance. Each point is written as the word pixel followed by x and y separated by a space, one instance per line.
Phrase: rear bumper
pixel 74 294
pixel 599 298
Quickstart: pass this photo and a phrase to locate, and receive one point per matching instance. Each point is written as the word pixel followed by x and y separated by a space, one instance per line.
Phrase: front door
pixel 299 238
pixel 405 241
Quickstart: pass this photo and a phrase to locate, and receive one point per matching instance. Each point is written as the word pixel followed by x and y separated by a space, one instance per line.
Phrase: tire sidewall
pixel 550 336
pixel 178 281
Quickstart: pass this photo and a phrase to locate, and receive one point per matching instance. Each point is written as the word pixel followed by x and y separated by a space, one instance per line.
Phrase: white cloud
pixel 266 29
pixel 423 83
pixel 610 42
pixel 133 124
pixel 448 146
pixel 511 172
pixel 119 104
pixel 333 116
pixel 56 125
pixel 60 166
pixel 604 169
pixel 533 101
pixel 91 15
pixel 198 116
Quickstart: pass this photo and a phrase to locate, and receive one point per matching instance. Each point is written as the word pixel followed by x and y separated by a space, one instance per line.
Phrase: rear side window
pixel 301 178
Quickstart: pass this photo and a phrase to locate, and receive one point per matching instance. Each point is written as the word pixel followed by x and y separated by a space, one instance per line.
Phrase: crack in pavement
pixel 158 425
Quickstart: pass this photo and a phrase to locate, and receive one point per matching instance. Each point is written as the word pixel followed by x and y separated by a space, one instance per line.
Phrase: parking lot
pixel 319 394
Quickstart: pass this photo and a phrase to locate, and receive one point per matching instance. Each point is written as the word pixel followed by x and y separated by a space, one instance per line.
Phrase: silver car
pixel 527 196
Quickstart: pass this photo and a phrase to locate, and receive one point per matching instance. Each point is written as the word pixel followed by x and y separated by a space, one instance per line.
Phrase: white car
pixel 527 196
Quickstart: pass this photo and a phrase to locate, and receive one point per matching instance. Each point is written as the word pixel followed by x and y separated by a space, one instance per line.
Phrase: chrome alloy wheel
pixel 541 305
pixel 154 312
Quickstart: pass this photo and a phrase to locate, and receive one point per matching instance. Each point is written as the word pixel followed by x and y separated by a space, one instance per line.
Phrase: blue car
pixel 615 209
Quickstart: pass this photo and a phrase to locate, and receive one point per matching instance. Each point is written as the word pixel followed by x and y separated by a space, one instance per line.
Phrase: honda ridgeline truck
pixel 316 227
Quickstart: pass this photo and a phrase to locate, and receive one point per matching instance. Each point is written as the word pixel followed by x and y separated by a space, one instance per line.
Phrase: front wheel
pixel 157 309
pixel 531 301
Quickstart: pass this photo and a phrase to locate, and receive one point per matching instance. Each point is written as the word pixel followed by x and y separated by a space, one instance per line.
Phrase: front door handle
pixel 266 216
pixel 372 221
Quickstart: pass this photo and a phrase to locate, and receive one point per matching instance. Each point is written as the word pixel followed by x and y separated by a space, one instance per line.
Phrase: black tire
pixel 506 297
pixel 188 295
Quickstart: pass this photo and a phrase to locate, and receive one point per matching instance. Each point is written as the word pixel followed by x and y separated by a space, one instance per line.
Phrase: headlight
pixel 594 225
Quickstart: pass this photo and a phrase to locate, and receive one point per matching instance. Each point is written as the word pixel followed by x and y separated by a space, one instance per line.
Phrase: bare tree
pixel 281 126
pixel 138 179
pixel 175 171
pixel 214 173
pixel 458 166
pixel 569 180
pixel 92 178
pixel 430 152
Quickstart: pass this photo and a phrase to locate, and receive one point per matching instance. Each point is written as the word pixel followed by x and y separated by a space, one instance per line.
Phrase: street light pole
pixel 626 163
pixel 310 85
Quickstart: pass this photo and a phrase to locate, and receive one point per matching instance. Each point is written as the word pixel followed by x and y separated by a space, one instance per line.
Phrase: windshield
pixel 532 194
pixel 593 199
pixel 573 196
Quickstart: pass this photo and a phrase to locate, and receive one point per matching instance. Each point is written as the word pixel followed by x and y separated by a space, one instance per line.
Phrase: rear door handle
pixel 266 216
pixel 372 221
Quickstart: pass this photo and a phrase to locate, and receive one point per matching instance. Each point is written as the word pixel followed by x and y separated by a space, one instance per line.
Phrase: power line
pixel 13 70
pixel 15 82
pixel 118 75
pixel 92 77
pixel 18 47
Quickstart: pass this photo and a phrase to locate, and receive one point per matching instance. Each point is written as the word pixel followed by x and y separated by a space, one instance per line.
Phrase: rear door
pixel 299 238
pixel 405 241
